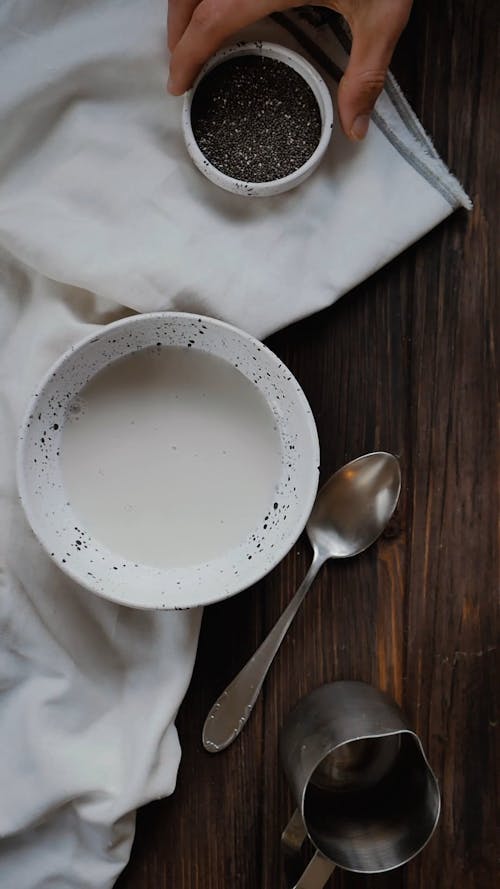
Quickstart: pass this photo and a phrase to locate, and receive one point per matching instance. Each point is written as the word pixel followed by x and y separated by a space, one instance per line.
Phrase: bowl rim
pixel 303 510
pixel 320 91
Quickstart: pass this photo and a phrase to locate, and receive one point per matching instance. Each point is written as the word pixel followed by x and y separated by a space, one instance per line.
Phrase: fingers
pixel 374 38
pixel 211 22
pixel 179 16
pixel 197 29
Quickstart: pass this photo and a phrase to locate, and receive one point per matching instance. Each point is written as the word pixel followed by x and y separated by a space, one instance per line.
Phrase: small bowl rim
pixel 320 91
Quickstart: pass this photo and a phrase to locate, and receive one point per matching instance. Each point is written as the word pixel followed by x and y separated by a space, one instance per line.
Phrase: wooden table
pixel 405 363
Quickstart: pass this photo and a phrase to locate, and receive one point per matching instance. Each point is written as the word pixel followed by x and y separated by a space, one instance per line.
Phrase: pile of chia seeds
pixel 255 118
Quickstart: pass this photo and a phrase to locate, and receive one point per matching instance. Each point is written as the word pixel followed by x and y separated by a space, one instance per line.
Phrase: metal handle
pixel 230 712
pixel 319 869
pixel 316 873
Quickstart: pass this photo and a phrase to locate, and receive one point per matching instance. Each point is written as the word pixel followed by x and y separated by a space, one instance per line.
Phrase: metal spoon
pixel 350 512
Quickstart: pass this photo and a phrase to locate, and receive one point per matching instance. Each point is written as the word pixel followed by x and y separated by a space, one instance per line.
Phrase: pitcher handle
pixel 319 868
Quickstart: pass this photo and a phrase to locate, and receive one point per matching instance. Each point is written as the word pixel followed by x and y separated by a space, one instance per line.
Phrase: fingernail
pixel 170 84
pixel 360 127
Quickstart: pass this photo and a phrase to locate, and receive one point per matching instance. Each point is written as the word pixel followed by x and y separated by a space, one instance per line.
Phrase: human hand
pixel 197 28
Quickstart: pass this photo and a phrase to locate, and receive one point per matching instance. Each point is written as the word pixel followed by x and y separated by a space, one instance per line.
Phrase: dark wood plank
pixel 452 592
pixel 351 624
pixel 405 363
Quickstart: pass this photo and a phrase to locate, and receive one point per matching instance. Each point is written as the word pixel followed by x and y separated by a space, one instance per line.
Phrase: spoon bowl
pixel 350 513
pixel 354 505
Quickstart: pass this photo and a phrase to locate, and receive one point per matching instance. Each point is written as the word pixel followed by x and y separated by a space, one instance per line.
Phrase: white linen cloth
pixel 102 213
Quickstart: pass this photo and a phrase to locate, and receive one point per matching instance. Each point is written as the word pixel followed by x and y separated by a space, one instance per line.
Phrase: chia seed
pixel 255 119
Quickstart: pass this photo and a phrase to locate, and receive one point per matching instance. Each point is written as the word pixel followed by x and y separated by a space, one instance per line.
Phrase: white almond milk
pixel 170 457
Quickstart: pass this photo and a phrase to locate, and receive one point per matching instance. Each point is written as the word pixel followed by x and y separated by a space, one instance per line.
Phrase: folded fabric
pixel 102 214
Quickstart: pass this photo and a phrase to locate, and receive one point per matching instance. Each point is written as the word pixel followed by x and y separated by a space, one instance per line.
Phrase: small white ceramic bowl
pixel 323 98
pixel 72 545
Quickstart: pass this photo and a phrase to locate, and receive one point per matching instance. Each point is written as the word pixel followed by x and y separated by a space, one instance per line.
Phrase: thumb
pixel 372 48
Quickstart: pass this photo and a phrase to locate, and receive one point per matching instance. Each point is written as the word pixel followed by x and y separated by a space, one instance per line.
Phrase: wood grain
pixel 405 363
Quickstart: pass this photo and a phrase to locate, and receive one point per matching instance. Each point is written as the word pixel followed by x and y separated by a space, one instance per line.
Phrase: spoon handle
pixel 231 710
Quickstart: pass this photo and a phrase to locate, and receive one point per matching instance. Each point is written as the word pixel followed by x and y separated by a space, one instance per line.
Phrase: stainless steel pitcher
pixel 365 793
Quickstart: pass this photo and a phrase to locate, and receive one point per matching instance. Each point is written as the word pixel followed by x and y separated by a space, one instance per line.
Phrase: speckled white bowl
pixel 323 98
pixel 82 556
